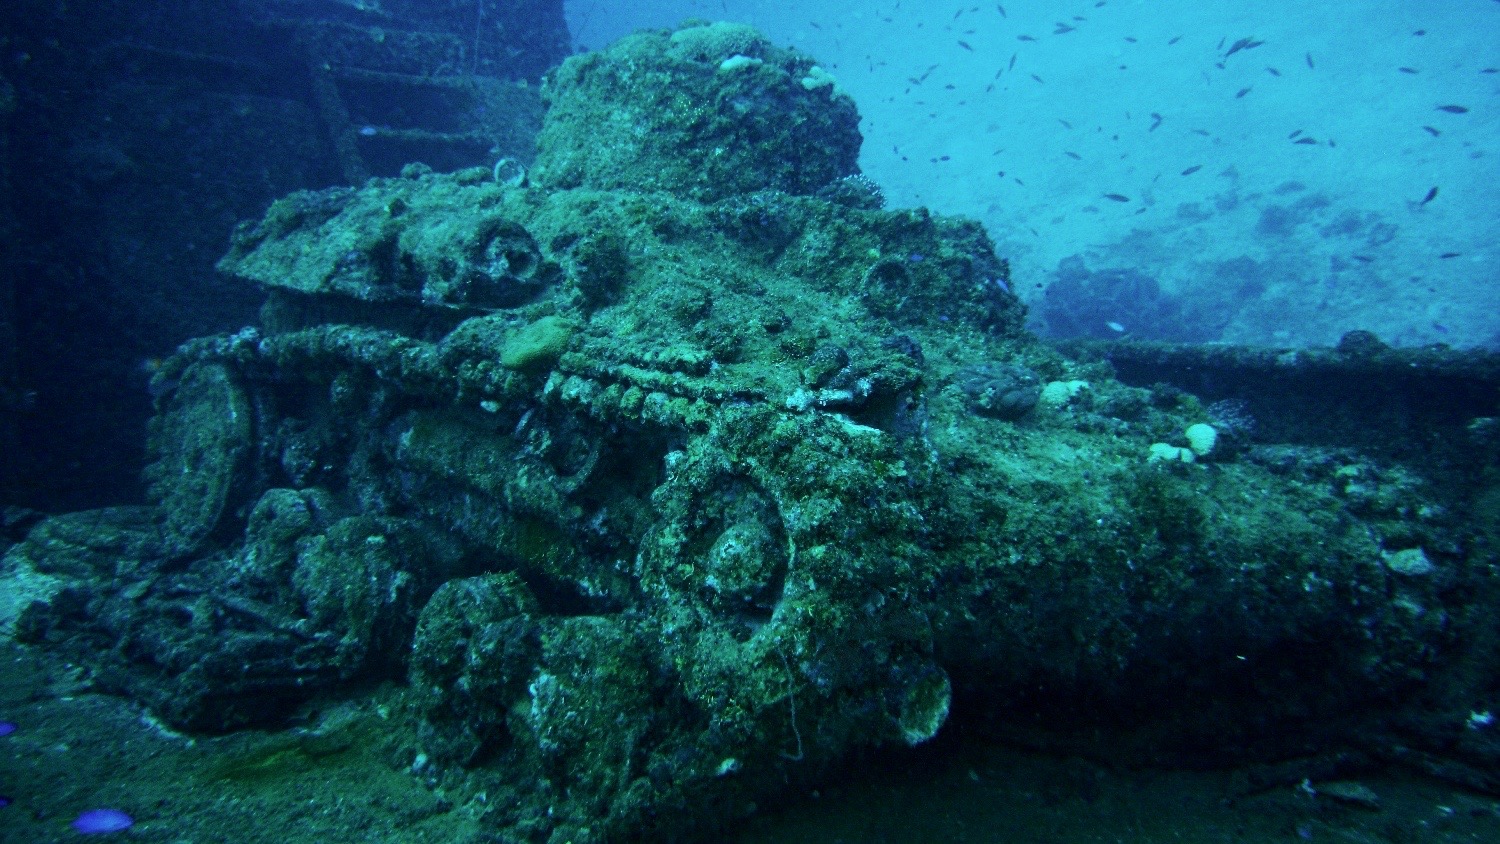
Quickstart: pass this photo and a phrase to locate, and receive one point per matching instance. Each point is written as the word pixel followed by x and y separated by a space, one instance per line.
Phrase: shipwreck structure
pixel 677 468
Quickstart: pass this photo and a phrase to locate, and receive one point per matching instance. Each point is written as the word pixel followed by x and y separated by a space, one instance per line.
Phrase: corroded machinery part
pixel 404 248
pixel 204 441
pixel 766 579
pixel 707 112
pixel 828 512
pixel 303 605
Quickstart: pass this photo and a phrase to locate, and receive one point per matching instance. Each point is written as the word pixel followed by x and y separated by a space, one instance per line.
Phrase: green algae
pixel 663 479
pixel 537 345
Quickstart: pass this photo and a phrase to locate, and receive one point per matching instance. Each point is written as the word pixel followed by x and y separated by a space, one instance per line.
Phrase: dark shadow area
pixel 135 136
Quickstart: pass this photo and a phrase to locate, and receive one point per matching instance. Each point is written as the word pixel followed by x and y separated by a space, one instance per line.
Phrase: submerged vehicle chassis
pixel 679 468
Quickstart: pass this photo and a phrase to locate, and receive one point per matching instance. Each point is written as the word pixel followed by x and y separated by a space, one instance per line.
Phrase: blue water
pixel 1277 189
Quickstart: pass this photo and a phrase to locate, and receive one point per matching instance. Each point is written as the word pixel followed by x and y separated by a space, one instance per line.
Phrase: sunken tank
pixel 682 469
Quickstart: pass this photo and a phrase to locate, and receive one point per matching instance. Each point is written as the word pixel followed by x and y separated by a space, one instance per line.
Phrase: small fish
pixel 1450 254
pixel 1191 170
pixel 1453 109
pixel 102 820
pixel 1115 327
pixel 1024 38
pixel 1173 40
pixel 1037 78
pixel 1431 131
pixel 1431 195
pixel 965 45
pixel 1491 70
pixel 1073 155
pixel 1012 65
pixel 1130 39
pixel 1242 92
pixel 1156 120
pixel 1304 141
pixel 1062 28
pixel 1309 60
pixel 1295 133
pixel 1117 197
pixel 1273 71
pixel 1408 70
pixel 1001 9
pixel 1246 43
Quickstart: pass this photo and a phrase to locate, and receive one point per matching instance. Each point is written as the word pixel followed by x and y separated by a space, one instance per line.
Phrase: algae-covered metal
pixel 661 497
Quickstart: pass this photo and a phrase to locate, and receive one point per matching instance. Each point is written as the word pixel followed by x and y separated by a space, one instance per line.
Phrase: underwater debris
pixel 684 470
pixel 508 171
pixel 1002 391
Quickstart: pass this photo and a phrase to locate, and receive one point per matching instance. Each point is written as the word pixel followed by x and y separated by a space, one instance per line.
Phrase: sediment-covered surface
pixel 642 494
